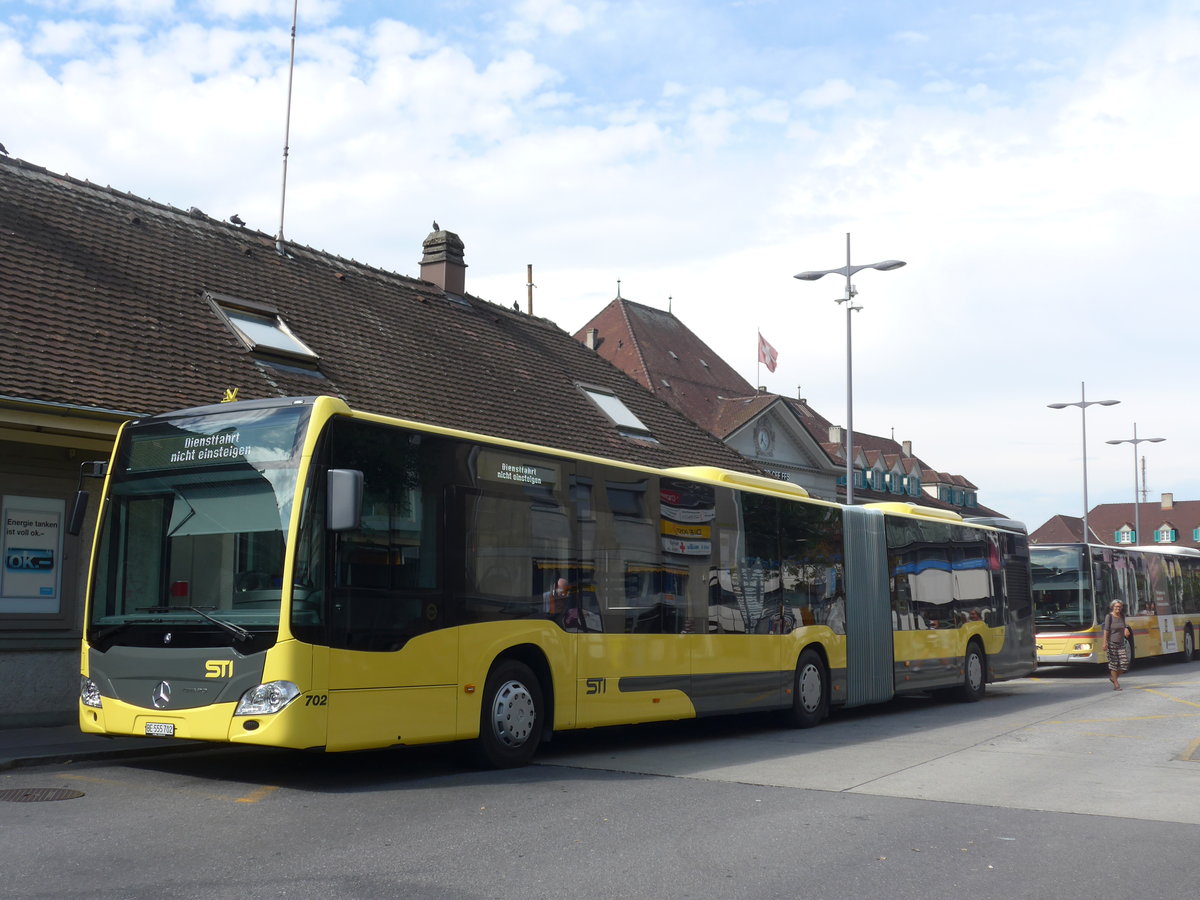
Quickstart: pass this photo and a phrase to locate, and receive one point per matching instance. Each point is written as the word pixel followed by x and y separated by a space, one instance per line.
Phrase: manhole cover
pixel 37 795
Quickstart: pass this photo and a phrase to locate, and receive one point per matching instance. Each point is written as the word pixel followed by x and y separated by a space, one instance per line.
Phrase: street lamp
pixel 848 270
pixel 1135 440
pixel 1083 404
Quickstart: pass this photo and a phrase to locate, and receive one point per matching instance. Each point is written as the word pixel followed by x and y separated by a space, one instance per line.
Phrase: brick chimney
pixel 443 263
pixel 1168 501
pixel 906 448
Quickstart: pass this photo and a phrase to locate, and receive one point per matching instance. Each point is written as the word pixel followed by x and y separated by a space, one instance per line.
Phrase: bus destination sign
pixel 207 441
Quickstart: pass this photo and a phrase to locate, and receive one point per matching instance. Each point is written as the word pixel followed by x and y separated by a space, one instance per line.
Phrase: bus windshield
pixel 1062 593
pixel 192 540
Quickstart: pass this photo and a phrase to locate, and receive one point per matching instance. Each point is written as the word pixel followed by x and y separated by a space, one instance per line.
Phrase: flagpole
pixel 758 365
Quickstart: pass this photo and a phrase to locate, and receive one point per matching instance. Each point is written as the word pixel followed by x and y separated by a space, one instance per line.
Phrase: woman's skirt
pixel 1118 656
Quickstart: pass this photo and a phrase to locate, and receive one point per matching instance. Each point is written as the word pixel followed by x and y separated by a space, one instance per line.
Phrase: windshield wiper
pixel 104 634
pixel 236 630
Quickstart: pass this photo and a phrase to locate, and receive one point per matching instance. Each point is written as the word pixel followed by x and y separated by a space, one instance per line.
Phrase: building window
pixel 1165 535
pixel 1125 535
pixel 260 327
pixel 621 415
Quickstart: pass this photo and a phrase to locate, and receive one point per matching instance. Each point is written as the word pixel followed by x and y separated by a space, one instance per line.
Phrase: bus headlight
pixel 1084 647
pixel 89 694
pixel 267 699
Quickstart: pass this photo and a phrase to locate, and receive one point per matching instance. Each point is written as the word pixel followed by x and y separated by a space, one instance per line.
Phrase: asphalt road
pixel 1051 787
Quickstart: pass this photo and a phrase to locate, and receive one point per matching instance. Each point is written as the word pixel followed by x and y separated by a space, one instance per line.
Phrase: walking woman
pixel 1116 642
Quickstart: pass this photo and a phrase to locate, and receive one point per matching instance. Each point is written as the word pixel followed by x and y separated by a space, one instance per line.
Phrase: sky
pixel 1033 163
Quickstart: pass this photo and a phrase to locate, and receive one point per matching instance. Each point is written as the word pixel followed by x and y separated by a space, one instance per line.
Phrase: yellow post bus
pixel 1074 584
pixel 294 573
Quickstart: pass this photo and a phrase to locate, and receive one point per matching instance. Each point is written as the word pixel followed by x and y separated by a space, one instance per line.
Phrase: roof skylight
pixel 260 327
pixel 621 415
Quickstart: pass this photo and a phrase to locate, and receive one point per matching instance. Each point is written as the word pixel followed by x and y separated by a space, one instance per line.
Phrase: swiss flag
pixel 766 353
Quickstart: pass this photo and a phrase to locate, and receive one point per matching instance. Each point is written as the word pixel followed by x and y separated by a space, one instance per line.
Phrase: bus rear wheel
pixel 974 674
pixel 512 718
pixel 810 691
pixel 1189 645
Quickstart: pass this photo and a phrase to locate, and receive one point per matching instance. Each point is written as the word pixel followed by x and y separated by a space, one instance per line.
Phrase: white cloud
pixel 555 17
pixel 128 9
pixel 833 92
pixel 310 12
pixel 63 38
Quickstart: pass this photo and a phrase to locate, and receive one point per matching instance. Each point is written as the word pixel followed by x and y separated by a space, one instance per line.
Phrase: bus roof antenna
pixel 287 130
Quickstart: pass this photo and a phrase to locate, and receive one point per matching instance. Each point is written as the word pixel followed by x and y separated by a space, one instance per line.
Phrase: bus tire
pixel 810 691
pixel 1189 644
pixel 512 718
pixel 974 683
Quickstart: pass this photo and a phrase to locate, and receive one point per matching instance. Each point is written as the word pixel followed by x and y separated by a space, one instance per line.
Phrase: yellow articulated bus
pixel 296 574
pixel 1074 584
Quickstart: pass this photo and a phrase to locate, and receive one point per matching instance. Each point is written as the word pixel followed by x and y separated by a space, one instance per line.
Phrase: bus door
pixel 392 664
pixel 737 663
pixel 634 662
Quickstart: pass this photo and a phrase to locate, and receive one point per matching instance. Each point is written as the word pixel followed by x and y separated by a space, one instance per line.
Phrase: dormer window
pixel 1165 535
pixel 260 327
pixel 1125 535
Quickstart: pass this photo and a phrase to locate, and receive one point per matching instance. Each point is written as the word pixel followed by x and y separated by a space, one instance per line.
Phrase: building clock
pixel 764 438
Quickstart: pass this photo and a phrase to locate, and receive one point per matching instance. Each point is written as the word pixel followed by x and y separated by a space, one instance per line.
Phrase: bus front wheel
pixel 512 718
pixel 974 674
pixel 1189 645
pixel 810 692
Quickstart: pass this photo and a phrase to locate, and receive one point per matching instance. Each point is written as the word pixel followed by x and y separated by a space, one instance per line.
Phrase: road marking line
pixel 255 796
pixel 1187 754
pixel 1168 696
pixel 1110 719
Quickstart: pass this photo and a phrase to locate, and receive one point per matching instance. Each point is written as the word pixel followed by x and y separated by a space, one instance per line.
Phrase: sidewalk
pixel 66 743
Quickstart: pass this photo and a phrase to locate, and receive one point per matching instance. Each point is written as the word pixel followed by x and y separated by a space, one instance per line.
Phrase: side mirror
pixel 345 498
pixel 95 469
pixel 78 513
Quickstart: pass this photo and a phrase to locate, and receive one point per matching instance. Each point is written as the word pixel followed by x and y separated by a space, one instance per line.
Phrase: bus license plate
pixel 160 729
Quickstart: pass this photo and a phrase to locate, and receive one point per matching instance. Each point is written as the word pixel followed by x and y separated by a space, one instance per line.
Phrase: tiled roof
pixel 1106 519
pixel 662 353
pixel 105 307
pixel 654 347
pixel 1059 530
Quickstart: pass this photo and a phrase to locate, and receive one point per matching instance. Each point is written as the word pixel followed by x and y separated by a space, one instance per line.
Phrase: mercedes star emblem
pixel 162 695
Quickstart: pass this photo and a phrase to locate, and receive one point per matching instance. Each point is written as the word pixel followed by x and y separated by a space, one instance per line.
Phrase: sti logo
pixel 218 668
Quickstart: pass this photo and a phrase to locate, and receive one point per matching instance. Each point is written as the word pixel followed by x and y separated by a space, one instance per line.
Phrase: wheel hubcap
pixel 513 714
pixel 810 688
pixel 974 671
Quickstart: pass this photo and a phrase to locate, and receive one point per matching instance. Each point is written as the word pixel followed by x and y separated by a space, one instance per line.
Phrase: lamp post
pixel 848 270
pixel 1083 403
pixel 1135 440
